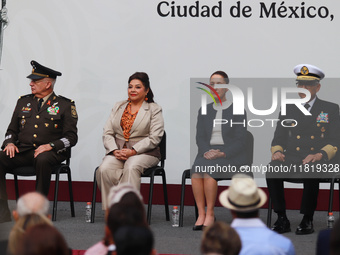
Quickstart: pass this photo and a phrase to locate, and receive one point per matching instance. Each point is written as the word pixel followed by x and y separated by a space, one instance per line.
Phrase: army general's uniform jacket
pixel 55 122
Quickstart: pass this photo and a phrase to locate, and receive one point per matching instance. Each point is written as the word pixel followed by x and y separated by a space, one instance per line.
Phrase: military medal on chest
pixel 322 118
pixel 27 109
pixel 54 109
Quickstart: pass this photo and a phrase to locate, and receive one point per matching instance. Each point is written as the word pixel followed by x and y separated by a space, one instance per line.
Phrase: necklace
pixel 129 110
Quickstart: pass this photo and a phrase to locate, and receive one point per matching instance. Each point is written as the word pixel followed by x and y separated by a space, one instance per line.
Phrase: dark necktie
pixel 307 106
pixel 41 100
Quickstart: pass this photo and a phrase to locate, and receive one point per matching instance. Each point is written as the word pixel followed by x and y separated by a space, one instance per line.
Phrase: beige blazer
pixel 146 131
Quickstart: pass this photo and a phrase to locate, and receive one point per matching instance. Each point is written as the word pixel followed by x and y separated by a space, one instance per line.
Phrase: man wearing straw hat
pixel 244 200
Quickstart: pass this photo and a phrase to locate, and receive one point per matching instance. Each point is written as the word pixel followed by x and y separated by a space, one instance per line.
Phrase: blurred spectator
pixel 125 208
pixel 220 238
pixel 323 242
pixel 32 202
pixel 244 199
pixel 21 226
pixel 43 239
pixel 32 208
pixel 132 240
pixel 335 239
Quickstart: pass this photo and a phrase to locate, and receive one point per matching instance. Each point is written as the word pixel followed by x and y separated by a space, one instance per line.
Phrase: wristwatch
pixel 52 145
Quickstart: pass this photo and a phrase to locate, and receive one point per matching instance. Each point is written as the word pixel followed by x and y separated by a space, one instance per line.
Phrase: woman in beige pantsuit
pixel 131 137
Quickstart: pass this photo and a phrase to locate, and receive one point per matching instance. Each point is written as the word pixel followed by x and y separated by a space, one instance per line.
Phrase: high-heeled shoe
pixel 197 227
pixel 208 226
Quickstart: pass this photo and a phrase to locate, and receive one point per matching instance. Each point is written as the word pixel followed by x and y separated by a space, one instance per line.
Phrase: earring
pixel 129 99
pixel 146 99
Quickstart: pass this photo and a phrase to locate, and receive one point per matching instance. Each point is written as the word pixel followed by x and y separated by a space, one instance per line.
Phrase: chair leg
pixel 70 189
pixel 148 216
pixel 269 213
pixel 196 210
pixel 331 194
pixel 165 193
pixel 339 193
pixel 16 185
pixel 56 189
pixel 181 210
pixel 94 194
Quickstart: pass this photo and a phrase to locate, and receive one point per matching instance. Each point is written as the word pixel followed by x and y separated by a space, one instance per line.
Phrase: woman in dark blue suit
pixel 220 149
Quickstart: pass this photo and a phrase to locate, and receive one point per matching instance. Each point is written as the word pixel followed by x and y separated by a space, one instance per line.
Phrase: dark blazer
pixel 55 122
pixel 234 136
pixel 319 132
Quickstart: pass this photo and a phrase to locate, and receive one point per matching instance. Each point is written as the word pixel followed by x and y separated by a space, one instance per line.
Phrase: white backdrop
pixel 97 45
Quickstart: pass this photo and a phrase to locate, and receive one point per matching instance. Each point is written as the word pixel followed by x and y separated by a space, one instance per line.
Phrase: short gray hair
pixel 33 202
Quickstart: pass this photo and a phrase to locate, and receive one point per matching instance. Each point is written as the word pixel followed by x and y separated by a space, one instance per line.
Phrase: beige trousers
pixel 112 172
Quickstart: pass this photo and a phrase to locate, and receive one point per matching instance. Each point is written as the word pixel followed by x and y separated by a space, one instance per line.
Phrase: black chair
pixel 63 168
pixel 150 173
pixel 186 175
pixel 331 181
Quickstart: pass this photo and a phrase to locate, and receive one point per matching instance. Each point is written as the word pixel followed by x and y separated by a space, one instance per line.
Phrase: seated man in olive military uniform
pixel 42 129
pixel 312 140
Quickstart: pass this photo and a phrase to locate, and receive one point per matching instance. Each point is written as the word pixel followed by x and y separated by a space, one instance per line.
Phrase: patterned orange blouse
pixel 127 121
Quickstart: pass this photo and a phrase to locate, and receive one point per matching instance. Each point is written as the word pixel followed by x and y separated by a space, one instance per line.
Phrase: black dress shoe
pixel 197 227
pixel 282 225
pixel 5 214
pixel 305 227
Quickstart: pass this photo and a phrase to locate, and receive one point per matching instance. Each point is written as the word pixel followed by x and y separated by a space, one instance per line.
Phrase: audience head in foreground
pixel 20 228
pixel 335 239
pixel 220 238
pixel 244 199
pixel 132 240
pixel 125 208
pixel 32 202
pixel 43 239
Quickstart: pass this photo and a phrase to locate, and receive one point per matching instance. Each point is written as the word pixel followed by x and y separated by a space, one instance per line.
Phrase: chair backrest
pixel 250 148
pixel 162 147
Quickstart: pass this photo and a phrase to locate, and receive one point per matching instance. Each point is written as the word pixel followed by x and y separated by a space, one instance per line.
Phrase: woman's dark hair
pixel 133 240
pixel 43 239
pixel 144 78
pixel 129 211
pixel 223 74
